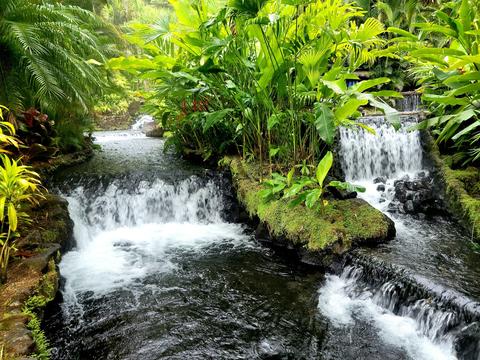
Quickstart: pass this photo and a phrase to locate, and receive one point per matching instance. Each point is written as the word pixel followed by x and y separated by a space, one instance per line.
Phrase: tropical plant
pixel 18 184
pixel 308 188
pixel 51 57
pixel 265 79
pixel 450 78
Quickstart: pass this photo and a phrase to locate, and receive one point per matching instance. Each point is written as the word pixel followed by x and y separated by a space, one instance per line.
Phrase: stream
pixel 161 269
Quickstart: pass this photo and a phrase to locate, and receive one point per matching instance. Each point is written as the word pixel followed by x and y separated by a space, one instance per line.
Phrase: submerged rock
pixel 417 196
pixel 155 132
pixel 467 342
pixel 380 180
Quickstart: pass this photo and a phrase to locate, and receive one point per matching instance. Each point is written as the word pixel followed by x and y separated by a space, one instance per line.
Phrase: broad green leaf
pixel 293 190
pixel 273 151
pixel 324 167
pixel 325 122
pixel 467 89
pixel 346 186
pixel 387 93
pixel 402 32
pixel 349 108
pixel 445 99
pixel 211 119
pixel 337 86
pixel 367 84
pixel 467 130
pixel 298 200
pixel 312 197
pixel 475 75
pixel 290 175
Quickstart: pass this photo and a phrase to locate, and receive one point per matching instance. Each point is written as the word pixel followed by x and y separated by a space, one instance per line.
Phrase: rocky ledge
pixel 461 188
pixel 318 238
pixel 33 279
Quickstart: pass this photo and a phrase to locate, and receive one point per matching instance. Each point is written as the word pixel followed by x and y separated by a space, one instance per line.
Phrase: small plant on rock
pixel 307 189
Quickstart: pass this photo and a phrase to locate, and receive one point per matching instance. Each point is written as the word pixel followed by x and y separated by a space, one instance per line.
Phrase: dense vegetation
pixel 268 80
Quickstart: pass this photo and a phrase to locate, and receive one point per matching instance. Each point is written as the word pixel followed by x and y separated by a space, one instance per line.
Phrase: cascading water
pixel 143 122
pixel 420 322
pixel 410 102
pixel 159 271
pixel 123 234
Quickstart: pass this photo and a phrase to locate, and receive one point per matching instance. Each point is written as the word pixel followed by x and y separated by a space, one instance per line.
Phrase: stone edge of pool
pixel 33 279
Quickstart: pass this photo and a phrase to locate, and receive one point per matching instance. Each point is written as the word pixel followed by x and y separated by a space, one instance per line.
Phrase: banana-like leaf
pixel 324 167
pixel 348 109
pixel 367 84
pixel 325 122
pixel 312 197
pixel 346 186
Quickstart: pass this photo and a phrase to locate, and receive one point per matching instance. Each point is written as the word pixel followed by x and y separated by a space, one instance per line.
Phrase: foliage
pixel 309 188
pixel 50 56
pixel 18 184
pixel 450 77
pixel 264 79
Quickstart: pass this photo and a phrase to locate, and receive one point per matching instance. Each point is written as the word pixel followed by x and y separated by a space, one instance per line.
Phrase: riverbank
pixel 33 279
pixel 319 238
pixel 461 188
pixel 46 168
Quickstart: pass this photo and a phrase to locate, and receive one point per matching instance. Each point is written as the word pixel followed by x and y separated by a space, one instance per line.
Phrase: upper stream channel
pixel 160 268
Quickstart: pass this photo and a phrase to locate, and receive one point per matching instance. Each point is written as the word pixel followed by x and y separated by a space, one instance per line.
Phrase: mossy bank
pixel 33 280
pixel 318 236
pixel 461 187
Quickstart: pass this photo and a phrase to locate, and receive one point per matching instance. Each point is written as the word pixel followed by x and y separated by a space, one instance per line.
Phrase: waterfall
pixel 418 328
pixel 418 322
pixel 410 102
pixel 387 153
pixel 124 233
pixel 143 123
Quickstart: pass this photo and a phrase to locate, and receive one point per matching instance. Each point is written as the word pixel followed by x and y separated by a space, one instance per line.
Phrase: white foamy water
pixel 342 302
pixel 389 153
pixel 419 329
pixel 124 234
pixel 142 122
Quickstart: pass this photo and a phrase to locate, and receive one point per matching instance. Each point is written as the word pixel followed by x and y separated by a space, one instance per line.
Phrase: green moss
pixel 34 310
pixel 341 224
pixel 462 190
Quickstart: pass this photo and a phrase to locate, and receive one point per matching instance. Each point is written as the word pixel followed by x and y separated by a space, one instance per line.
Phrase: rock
pixel 381 187
pixel 408 206
pixel 405 178
pixel 420 174
pixel 155 132
pixel 467 342
pixel 342 194
pixel 380 179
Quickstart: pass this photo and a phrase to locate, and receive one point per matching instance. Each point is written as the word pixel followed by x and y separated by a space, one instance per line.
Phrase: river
pixel 161 269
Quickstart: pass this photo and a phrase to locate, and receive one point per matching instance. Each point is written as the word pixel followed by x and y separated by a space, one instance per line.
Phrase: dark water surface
pixel 160 271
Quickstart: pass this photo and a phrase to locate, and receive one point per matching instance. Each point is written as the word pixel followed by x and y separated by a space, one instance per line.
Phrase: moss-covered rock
pixel 61 161
pixel 461 187
pixel 33 279
pixel 342 225
pixel 156 132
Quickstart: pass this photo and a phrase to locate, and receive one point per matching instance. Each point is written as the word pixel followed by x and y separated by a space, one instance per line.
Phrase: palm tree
pixel 51 56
